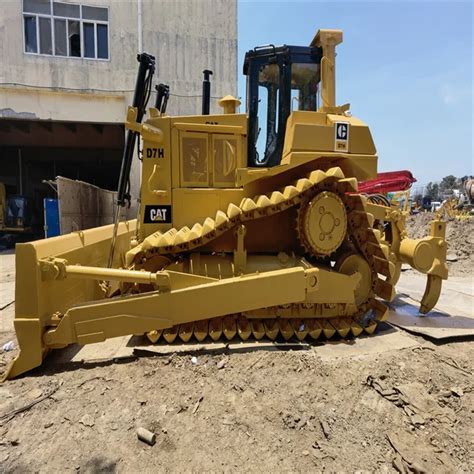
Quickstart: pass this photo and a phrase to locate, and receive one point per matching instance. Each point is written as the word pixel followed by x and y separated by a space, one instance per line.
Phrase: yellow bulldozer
pixel 250 224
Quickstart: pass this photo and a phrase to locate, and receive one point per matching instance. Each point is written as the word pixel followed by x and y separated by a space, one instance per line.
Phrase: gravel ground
pixel 257 411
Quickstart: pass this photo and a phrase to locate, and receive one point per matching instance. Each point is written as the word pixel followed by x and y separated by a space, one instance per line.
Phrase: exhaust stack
pixel 162 96
pixel 206 92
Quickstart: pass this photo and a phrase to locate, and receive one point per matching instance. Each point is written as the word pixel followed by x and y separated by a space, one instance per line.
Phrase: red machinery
pixel 390 181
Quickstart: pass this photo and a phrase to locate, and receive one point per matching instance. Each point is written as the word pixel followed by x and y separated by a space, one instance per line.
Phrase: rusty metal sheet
pixel 83 205
pixel 453 316
pixel 385 339
pixel 457 293
pixel 436 324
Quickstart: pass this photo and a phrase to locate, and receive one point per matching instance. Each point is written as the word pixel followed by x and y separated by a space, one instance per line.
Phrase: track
pixel 297 320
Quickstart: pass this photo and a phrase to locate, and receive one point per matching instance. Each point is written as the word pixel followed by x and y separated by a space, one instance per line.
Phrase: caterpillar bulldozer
pixel 250 224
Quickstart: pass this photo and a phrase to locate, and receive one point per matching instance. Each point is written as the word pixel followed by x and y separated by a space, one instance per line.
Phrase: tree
pixel 448 184
pixel 432 191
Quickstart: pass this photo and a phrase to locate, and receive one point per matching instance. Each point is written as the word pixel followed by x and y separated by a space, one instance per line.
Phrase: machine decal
pixel 341 141
pixel 157 214
pixel 155 153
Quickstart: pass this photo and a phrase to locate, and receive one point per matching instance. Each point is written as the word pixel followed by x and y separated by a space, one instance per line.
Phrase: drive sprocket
pixel 322 224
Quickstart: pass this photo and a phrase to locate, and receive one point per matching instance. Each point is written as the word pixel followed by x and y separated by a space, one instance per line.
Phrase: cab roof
pixel 290 54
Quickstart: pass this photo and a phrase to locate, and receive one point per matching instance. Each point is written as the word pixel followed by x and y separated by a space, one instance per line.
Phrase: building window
pixel 65 29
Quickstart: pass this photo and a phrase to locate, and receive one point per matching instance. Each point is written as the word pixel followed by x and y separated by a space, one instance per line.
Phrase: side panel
pixel 182 174
pixel 360 138
pixel 332 140
pixel 194 205
pixel 156 189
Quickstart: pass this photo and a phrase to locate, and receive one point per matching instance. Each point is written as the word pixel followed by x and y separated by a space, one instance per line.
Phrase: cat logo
pixel 157 215
pixel 341 139
pixel 341 131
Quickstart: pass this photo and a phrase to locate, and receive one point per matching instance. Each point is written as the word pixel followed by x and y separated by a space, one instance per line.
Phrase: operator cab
pixel 280 79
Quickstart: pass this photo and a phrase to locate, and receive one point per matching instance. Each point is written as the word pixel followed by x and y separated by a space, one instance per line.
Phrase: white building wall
pixel 67 88
pixel 186 39
pixel 186 36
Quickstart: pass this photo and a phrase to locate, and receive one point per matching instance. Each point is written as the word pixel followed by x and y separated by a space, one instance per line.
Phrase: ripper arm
pixel 427 255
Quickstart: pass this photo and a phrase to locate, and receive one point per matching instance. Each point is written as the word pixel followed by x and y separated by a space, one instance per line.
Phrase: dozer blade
pixel 37 301
pixel 69 306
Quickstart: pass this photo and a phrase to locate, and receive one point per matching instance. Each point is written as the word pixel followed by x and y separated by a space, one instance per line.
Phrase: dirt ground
pixel 395 410
pixel 257 411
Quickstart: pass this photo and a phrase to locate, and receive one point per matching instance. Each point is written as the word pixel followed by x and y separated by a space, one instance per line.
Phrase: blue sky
pixel 406 67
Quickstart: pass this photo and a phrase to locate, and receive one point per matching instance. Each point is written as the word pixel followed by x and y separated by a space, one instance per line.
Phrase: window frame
pixel 81 21
pixel 213 155
pixel 190 183
pixel 38 34
pixel 31 15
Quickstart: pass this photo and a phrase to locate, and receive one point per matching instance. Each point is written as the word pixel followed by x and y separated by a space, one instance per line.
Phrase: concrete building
pixel 67 74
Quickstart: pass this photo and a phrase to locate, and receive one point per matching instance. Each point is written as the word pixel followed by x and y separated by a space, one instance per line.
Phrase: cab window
pixel 304 86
